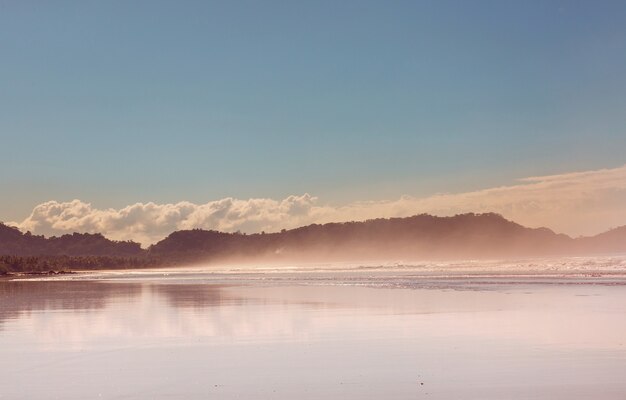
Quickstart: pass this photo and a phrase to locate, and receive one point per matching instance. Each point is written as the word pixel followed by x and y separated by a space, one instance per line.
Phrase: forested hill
pixel 15 243
pixel 412 238
pixel 420 236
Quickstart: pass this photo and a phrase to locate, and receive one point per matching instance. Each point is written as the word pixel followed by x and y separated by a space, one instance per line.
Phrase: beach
pixel 537 329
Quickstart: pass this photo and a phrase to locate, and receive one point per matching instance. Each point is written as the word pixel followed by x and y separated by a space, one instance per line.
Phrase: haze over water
pixel 542 329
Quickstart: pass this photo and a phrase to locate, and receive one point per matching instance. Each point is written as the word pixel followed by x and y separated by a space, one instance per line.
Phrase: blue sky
pixel 118 102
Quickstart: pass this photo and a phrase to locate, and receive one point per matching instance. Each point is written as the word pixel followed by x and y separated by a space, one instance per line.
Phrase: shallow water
pixel 395 333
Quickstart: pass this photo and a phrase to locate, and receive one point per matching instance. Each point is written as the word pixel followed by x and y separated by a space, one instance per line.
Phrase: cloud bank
pixel 579 203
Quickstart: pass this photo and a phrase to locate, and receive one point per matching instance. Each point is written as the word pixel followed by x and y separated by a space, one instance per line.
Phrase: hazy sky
pixel 117 102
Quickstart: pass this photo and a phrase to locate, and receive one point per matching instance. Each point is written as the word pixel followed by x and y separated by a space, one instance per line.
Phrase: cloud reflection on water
pixel 84 314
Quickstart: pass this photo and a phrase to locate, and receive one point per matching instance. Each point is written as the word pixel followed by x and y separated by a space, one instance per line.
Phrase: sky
pixel 239 108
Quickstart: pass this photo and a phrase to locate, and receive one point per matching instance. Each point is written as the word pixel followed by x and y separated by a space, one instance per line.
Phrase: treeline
pixel 56 264
pixel 14 242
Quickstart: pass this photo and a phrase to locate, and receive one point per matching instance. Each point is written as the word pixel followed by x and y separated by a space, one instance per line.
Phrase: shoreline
pixel 10 275
pixel 457 274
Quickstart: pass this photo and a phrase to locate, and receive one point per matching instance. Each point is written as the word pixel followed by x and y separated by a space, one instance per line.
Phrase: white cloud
pixel 151 222
pixel 574 203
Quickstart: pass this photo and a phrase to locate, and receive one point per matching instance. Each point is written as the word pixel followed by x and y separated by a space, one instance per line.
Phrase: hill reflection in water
pixel 169 337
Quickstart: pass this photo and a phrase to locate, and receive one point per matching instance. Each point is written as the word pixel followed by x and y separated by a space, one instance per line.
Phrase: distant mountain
pixel 14 242
pixel 422 236
pixel 607 242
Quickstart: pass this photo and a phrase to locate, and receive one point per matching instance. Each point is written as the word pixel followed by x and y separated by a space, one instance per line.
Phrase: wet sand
pixel 351 334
